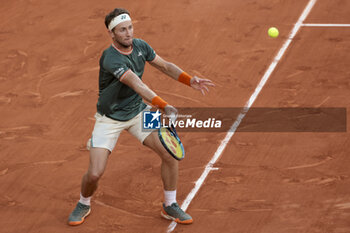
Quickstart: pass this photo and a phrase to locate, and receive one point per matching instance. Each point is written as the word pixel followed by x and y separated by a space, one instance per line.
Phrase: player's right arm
pixel 134 82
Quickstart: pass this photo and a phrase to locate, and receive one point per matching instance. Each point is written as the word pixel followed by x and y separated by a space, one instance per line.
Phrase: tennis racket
pixel 171 141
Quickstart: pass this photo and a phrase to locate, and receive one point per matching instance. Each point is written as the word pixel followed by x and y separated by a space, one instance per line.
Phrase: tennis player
pixel 120 106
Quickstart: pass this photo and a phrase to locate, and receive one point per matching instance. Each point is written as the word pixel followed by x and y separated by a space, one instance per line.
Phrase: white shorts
pixel 106 131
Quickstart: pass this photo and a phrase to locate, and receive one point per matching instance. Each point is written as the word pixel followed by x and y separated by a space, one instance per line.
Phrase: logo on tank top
pixel 118 72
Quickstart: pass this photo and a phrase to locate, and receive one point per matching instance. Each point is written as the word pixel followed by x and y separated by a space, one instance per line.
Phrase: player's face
pixel 123 34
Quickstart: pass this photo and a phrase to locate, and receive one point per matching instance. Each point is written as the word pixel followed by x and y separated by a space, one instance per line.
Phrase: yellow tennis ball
pixel 273 32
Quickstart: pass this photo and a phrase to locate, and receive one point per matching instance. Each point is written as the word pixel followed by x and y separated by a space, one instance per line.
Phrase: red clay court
pixel 260 182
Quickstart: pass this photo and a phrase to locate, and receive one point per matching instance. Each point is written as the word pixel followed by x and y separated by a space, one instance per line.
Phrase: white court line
pixel 324 25
pixel 246 108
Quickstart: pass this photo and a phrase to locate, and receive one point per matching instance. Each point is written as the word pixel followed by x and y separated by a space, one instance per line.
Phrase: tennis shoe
pixel 79 214
pixel 175 213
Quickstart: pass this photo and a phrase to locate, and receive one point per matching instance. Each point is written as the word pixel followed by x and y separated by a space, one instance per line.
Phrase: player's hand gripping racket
pixel 171 142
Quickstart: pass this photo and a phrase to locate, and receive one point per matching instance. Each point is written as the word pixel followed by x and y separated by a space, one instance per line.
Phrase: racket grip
pixel 172 117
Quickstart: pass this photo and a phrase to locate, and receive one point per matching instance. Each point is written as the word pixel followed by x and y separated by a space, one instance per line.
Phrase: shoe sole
pixel 168 217
pixel 80 222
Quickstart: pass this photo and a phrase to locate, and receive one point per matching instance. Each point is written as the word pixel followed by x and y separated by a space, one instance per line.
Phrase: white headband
pixel 117 20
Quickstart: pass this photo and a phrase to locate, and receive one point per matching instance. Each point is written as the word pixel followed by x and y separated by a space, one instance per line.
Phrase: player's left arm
pixel 178 74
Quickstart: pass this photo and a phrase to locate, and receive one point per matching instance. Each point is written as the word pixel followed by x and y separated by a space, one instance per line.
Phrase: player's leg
pixel 105 136
pixel 98 162
pixel 169 171
pixel 169 165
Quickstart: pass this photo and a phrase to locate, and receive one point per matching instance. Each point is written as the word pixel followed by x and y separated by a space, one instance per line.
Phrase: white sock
pixel 84 200
pixel 169 197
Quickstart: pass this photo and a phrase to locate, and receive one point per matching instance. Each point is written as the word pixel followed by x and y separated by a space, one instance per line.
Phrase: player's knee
pixel 168 159
pixel 93 177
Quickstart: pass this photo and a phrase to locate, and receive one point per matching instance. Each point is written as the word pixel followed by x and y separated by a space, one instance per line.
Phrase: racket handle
pixel 172 117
